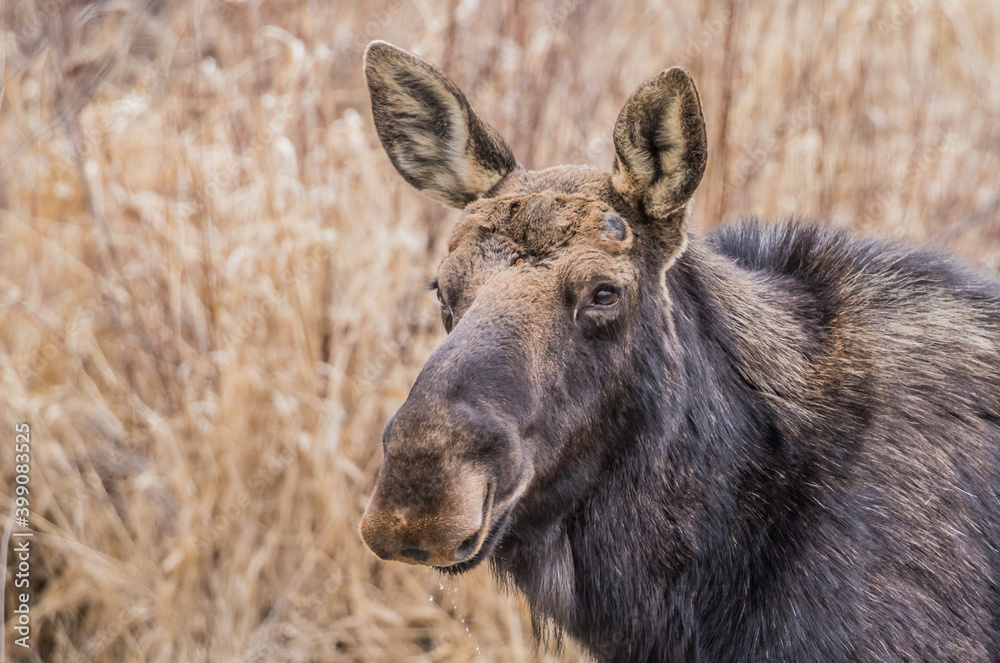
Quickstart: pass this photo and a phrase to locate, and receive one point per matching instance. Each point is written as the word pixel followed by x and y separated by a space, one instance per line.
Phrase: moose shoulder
pixel 775 443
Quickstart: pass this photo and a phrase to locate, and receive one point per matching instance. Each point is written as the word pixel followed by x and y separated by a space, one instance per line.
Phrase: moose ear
pixel 433 137
pixel 660 144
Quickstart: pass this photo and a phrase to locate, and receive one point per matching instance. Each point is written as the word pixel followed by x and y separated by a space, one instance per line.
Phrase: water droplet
pixel 440 586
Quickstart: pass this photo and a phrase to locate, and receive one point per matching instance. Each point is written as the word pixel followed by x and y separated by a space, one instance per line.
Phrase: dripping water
pixel 448 596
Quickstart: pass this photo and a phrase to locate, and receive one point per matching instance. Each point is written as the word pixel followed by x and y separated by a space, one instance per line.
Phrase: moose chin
pixel 776 442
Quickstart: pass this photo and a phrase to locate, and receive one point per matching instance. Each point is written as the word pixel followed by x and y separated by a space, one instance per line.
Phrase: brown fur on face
pixel 513 288
pixel 558 243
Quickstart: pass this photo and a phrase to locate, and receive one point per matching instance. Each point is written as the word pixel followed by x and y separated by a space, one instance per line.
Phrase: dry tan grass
pixel 211 280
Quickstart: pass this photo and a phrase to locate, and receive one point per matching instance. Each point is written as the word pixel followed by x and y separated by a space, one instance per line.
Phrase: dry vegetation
pixel 211 280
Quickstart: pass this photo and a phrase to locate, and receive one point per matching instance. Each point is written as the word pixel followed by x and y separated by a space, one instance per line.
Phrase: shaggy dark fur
pixel 746 508
pixel 776 443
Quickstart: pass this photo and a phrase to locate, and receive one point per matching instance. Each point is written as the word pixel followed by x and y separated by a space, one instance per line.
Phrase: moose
pixel 774 442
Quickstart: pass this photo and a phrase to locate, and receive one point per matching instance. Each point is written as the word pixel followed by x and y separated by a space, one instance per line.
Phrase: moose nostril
pixel 468 546
pixel 415 552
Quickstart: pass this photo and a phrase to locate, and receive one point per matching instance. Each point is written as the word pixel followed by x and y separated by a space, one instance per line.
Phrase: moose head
pixel 550 293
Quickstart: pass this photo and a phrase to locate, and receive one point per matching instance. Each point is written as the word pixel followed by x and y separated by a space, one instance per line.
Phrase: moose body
pixel 774 443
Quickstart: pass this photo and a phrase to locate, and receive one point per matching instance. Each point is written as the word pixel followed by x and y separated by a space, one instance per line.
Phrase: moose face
pixel 548 278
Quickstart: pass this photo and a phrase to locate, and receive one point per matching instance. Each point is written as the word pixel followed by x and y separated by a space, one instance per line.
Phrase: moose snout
pixel 415 535
pixel 450 454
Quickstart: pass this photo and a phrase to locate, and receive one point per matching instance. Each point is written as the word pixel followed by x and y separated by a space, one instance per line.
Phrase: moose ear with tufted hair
pixel 660 144
pixel 430 132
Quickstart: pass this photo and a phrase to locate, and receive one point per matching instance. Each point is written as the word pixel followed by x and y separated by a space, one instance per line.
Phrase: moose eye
pixel 446 316
pixel 604 297
pixel 598 311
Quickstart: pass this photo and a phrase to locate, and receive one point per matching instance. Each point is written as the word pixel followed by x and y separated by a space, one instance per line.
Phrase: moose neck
pixel 680 479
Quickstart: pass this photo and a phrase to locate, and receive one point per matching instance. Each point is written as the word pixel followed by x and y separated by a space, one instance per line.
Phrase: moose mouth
pixel 499 526
pixel 492 540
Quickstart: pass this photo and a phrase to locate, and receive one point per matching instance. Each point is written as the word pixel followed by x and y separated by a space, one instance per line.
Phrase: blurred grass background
pixel 211 279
